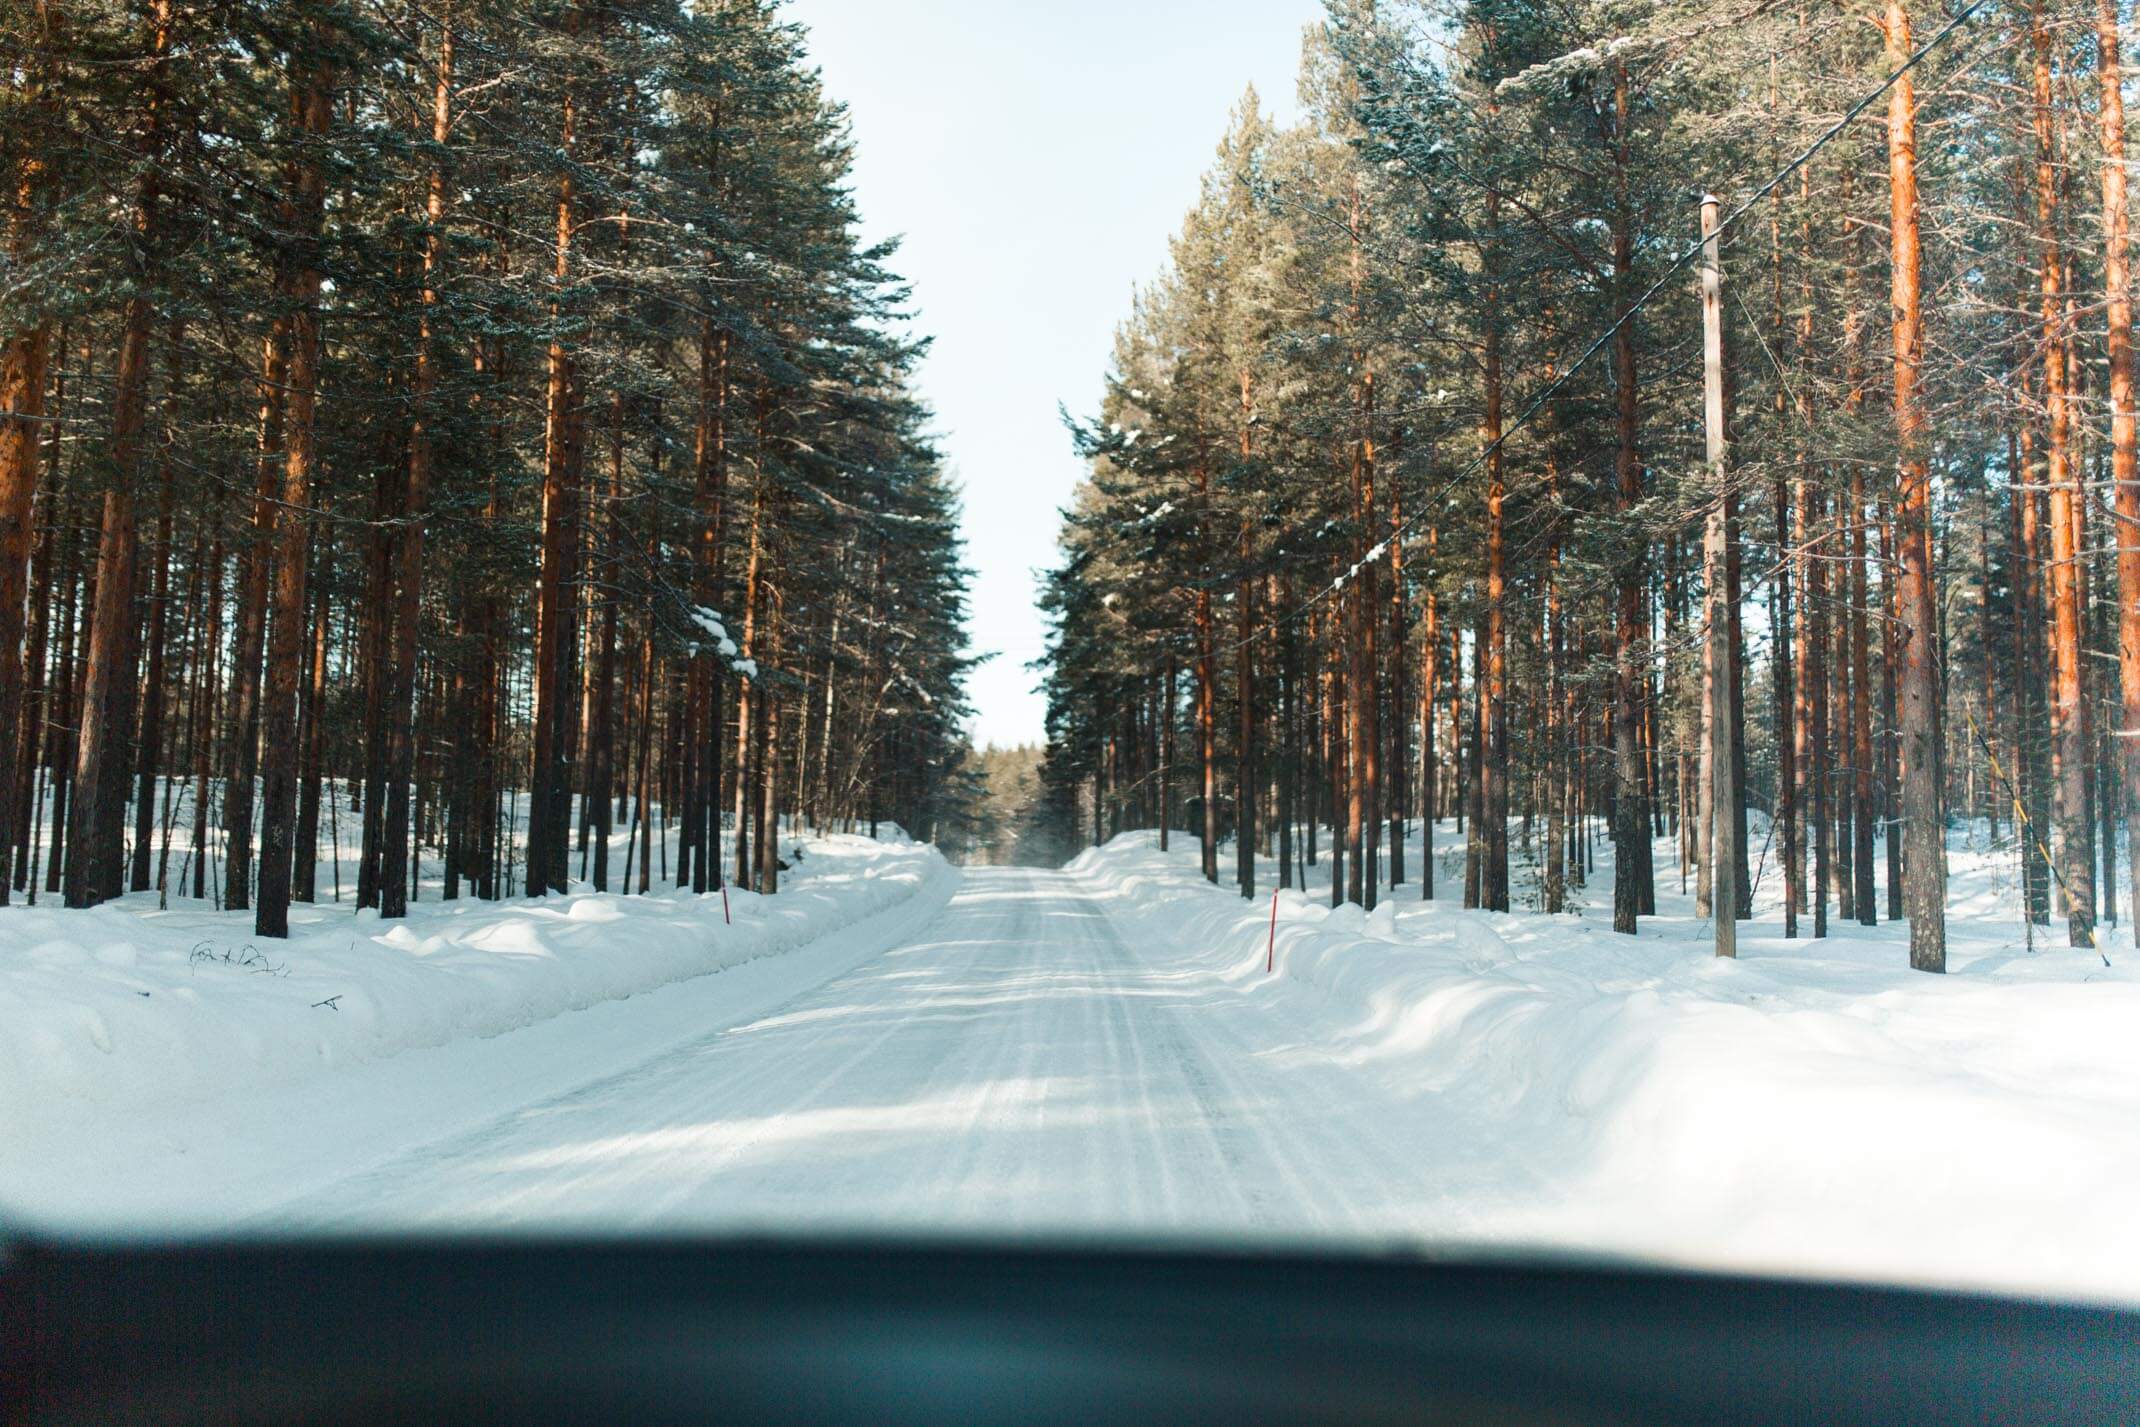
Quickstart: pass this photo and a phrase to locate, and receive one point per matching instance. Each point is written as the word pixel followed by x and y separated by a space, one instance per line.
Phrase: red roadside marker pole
pixel 1270 955
pixel 726 919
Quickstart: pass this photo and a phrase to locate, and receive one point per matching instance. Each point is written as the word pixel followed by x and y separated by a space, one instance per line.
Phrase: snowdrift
pixel 1813 1107
pixel 125 1006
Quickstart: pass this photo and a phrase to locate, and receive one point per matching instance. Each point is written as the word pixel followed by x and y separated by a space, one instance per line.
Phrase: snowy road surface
pixel 1013 1065
pixel 890 1046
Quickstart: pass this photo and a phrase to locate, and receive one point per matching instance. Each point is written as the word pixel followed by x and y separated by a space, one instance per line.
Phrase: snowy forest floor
pixel 1094 1051
pixel 1813 1107
pixel 132 1038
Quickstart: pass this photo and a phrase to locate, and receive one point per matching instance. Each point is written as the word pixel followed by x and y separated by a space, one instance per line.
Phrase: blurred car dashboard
pixel 439 1331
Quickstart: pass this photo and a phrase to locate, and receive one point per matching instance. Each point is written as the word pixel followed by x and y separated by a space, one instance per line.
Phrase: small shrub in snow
pixel 242 958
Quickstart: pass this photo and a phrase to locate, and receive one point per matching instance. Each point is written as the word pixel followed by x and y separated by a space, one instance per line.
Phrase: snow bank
pixel 1814 1107
pixel 125 1006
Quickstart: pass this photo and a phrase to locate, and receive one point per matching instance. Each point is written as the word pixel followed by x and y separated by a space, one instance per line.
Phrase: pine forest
pixel 1490 648
pixel 460 431
pixel 1692 439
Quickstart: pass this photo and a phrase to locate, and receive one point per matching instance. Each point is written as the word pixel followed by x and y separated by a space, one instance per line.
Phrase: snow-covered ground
pixel 1813 1107
pixel 121 1022
pixel 1096 1051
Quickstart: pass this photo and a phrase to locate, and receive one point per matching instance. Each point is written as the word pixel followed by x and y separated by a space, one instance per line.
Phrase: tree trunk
pixel 376 640
pixel 1287 741
pixel 312 109
pixel 1891 655
pixel 1399 740
pixel 601 774
pixel 23 361
pixel 150 751
pixel 1630 830
pixel 1850 704
pixel 1722 711
pixel 1362 703
pixel 100 767
pixel 101 770
pixel 1925 896
pixel 643 810
pixel 547 830
pixel 1813 686
pixel 1474 780
pixel 1493 793
pixel 766 760
pixel 1735 651
pixel 304 854
pixel 2069 820
pixel 1336 774
pixel 1429 773
pixel 1553 755
pixel 1244 832
pixel 203 751
pixel 1789 726
pixel 25 799
pixel 242 721
pixel 749 692
pixel 1206 734
pixel 2124 429
pixel 409 537
pixel 1167 725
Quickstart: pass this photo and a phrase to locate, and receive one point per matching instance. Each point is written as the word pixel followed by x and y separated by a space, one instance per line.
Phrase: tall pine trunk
pixel 1720 713
pixel 2124 428
pixel 1244 835
pixel 549 791
pixel 101 770
pixel 304 855
pixel 416 500
pixel 149 755
pixel 1206 708
pixel 1429 669
pixel 1493 660
pixel 24 358
pixel 311 105
pixel 2069 819
pixel 241 722
pixel 1925 893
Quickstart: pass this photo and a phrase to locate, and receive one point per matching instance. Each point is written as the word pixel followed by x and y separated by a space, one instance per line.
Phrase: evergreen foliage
pixel 465 409
pixel 1397 484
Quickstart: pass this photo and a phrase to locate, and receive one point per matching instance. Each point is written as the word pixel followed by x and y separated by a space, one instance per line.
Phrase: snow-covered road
pixel 894 1045
pixel 1013 1065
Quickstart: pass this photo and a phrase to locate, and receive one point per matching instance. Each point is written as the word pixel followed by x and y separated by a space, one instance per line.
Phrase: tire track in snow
pixel 1014 1065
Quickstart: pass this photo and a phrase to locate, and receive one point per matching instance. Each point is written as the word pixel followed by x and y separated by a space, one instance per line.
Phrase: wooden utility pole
pixel 1630 830
pixel 1716 561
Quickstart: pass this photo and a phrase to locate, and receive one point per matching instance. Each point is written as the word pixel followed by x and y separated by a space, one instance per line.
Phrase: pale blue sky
pixel 1036 156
